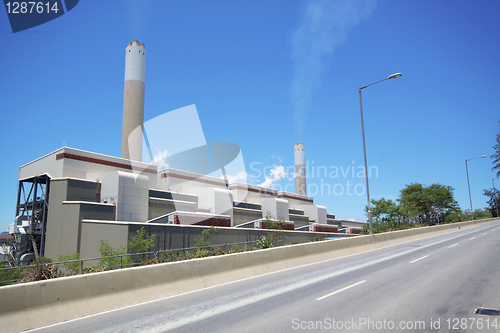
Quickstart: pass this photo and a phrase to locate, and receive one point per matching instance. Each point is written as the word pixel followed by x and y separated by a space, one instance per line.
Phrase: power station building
pixel 70 199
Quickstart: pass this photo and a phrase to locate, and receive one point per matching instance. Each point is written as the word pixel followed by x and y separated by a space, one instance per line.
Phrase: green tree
pixel 496 155
pixel 493 202
pixel 140 243
pixel 482 214
pixel 108 251
pixel 458 216
pixel 387 215
pixel 206 236
pixel 203 242
pixel 415 206
pixel 417 202
pixel 386 211
pixel 278 227
pixel 72 268
pixel 136 244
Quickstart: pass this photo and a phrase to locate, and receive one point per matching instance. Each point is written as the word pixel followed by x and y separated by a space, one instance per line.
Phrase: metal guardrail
pixel 123 263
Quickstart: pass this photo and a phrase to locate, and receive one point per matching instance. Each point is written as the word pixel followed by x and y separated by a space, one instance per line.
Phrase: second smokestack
pixel 300 169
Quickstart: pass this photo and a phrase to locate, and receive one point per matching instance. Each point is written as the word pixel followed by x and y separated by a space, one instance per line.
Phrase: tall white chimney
pixel 133 101
pixel 300 169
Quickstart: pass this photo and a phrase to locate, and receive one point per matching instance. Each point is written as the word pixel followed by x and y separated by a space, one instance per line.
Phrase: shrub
pixel 264 243
pixel 41 270
pixel 72 268
pixel 108 251
pixel 10 274
pixel 205 238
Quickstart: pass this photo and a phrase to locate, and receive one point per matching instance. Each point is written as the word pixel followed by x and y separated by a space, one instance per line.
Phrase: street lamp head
pixel 395 76
pixel 483 156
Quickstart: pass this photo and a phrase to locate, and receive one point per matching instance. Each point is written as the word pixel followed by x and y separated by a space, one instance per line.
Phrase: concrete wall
pixel 338 223
pixel 173 196
pixel 66 212
pixel 351 223
pixel 242 215
pixel 299 220
pixel 37 304
pixel 175 236
pixel 115 233
pixel 159 207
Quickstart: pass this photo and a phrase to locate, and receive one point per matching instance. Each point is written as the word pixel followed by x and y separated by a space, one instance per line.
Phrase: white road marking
pixel 411 262
pixel 485 233
pixel 338 291
pixel 472 238
pixel 453 245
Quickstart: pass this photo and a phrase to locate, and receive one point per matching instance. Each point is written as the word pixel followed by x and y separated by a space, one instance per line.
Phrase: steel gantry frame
pixel 32 206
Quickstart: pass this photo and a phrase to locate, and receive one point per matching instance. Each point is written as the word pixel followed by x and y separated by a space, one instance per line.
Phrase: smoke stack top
pixel 299 154
pixel 135 62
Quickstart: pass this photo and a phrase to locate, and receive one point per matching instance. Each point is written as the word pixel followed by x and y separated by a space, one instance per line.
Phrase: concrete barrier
pixel 42 303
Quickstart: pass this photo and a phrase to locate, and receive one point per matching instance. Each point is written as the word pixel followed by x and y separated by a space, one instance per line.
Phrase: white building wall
pixel 133 197
pixel 45 164
pixel 75 163
pixel 305 203
pixel 266 197
pixel 212 192
pixel 321 214
pixel 128 192
pixel 315 213
pixel 278 208
pixel 282 209
pixel 109 185
pixel 216 200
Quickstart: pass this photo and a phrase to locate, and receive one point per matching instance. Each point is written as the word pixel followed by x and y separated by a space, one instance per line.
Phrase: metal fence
pixel 72 267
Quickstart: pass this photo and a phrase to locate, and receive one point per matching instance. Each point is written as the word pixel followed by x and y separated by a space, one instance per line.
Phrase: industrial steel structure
pixel 28 230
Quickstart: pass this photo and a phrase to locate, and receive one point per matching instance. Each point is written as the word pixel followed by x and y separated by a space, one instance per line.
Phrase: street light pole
pixel 468 184
pixel 393 76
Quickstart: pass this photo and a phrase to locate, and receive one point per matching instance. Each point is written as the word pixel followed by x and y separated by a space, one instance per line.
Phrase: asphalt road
pixel 431 285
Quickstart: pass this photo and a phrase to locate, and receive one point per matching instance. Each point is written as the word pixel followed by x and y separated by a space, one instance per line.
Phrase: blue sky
pixel 264 75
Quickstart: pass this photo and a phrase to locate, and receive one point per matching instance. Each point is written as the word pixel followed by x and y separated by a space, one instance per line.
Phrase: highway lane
pixel 429 285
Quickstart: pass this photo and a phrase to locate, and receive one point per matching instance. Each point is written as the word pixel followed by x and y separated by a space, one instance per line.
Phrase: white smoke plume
pixel 324 26
pixel 277 157
pixel 138 17
pixel 277 173
pixel 295 175
pixel 160 159
pixel 238 176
